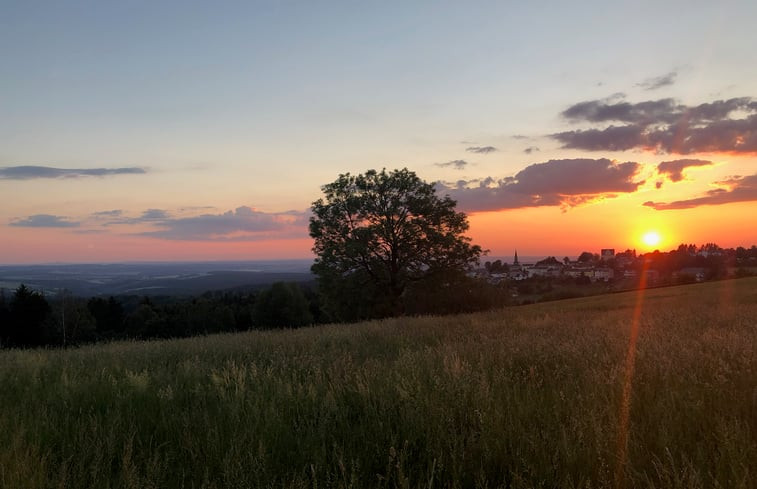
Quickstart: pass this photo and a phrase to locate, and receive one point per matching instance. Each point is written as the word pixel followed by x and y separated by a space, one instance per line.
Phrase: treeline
pixel 29 318
pixel 716 261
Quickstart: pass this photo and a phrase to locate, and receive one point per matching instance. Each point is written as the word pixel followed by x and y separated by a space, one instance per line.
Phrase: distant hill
pixel 187 278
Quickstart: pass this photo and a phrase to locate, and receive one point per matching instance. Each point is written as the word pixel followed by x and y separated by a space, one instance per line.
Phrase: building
pixel 603 274
pixel 517 271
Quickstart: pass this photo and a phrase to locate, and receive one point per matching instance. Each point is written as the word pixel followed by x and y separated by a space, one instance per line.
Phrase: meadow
pixel 639 389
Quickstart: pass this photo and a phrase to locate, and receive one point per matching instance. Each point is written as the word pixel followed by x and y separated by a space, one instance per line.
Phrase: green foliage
pixel 282 305
pixel 378 232
pixel 523 397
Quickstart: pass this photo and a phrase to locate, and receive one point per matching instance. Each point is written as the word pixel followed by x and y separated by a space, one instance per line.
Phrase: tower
pixel 515 261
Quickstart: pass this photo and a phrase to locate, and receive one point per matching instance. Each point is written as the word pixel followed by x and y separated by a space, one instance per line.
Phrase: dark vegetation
pixel 29 319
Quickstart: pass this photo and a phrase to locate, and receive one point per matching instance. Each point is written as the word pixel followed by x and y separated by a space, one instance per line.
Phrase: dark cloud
pixel 153 214
pixel 566 183
pixel 578 176
pixel 44 221
pixel 658 81
pixel 481 149
pixel 613 138
pixel 242 224
pixel 111 213
pixel 530 150
pixel 456 164
pixel 32 172
pixel 663 110
pixel 665 126
pixel 674 169
pixel 735 189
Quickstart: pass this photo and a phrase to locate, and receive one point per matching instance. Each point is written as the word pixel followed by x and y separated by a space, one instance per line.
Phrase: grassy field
pixel 622 390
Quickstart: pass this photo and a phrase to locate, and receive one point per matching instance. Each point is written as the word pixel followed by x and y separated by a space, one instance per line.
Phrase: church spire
pixel 515 262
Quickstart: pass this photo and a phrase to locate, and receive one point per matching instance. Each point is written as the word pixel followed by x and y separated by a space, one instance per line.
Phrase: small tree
pixel 376 233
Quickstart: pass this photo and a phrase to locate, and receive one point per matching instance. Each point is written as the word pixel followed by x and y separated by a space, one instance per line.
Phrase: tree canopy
pixel 376 233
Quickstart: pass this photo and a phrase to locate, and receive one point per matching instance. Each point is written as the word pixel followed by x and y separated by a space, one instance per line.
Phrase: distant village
pixel 627 269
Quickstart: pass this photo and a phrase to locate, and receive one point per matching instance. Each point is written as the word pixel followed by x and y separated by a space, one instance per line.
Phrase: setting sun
pixel 651 238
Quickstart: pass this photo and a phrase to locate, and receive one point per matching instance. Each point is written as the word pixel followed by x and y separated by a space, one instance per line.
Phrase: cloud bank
pixel 565 183
pixel 44 221
pixel 34 172
pixel 241 224
pixel 735 189
pixel 664 126
pixel 110 213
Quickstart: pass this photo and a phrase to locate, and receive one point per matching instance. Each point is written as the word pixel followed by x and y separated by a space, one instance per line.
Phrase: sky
pixel 133 131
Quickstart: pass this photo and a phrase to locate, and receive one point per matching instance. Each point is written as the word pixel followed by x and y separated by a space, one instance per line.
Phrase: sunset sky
pixel 203 130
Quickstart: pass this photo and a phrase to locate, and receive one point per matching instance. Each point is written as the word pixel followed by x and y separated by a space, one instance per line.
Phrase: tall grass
pixel 520 397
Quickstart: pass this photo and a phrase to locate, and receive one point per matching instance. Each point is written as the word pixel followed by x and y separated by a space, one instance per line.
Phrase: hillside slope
pixel 536 396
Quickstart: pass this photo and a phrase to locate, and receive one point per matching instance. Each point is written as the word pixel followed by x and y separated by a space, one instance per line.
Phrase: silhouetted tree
pixel 146 322
pixel 496 267
pixel 109 314
pixel 28 310
pixel 378 232
pixel 5 318
pixel 283 305
pixel 585 257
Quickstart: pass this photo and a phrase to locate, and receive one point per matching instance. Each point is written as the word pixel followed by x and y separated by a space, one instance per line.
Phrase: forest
pixel 30 319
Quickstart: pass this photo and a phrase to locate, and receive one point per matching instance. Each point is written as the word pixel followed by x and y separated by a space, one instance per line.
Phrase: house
pixel 698 273
pixel 604 274
pixel 576 272
pixel 544 271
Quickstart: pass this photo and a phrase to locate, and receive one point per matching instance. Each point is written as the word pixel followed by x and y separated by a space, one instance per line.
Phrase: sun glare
pixel 651 238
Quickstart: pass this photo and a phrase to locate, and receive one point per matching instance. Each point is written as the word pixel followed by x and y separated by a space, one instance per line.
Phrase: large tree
pixel 377 233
